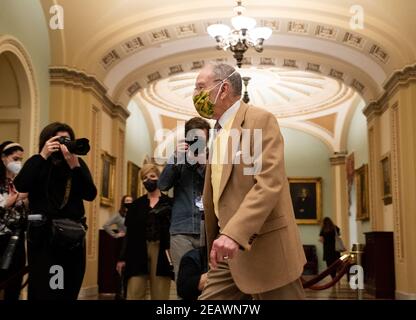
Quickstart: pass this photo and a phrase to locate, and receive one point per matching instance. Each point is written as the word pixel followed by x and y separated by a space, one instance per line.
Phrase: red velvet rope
pixel 341 265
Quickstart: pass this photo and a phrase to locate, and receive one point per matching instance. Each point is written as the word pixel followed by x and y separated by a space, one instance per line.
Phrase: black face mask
pixel 150 185
pixel 127 205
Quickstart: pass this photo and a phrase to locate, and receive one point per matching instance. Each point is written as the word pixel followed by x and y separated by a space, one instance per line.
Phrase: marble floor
pixel 340 291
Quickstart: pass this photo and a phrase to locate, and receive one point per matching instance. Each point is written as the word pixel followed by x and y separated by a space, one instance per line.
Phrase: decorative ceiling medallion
pixel 289 63
pixel 159 36
pixel 298 27
pixel 175 69
pixel 337 74
pixel 154 76
pixel 354 40
pixel 132 45
pixel 378 53
pixel 358 85
pixel 133 89
pixel 221 60
pixel 110 58
pixel 270 23
pixel 326 32
pixel 186 30
pixel 313 67
pixel 246 61
pixel 197 64
pixel 267 61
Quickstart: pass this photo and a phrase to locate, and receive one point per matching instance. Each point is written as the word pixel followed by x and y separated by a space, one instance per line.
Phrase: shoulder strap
pixel 67 192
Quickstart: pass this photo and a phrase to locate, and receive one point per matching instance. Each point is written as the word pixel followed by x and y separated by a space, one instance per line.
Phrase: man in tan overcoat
pixel 253 241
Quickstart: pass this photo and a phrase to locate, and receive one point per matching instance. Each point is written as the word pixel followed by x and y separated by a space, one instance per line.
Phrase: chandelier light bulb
pixel 242 22
pixel 221 30
pixel 242 37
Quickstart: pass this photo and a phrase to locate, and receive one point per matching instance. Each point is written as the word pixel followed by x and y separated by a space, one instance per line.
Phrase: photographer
pixel 185 172
pixel 12 221
pixel 57 182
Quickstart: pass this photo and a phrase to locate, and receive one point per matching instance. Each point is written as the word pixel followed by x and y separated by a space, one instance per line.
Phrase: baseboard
pixel 88 292
pixel 400 295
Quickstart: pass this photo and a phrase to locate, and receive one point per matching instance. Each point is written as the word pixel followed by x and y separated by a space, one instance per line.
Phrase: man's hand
pixel 223 248
pixel 120 234
pixel 120 266
pixel 202 281
pixel 70 158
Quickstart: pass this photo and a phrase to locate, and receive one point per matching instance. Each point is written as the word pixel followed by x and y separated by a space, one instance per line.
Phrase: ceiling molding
pixel 76 78
pixel 397 79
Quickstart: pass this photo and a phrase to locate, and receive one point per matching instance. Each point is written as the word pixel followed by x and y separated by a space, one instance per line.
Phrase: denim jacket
pixel 188 183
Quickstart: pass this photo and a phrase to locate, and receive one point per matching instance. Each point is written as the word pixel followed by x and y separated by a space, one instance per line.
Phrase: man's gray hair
pixel 221 71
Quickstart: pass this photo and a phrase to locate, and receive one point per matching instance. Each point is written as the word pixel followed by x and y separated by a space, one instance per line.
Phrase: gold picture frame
pixel 386 178
pixel 133 180
pixel 306 194
pixel 107 179
pixel 361 175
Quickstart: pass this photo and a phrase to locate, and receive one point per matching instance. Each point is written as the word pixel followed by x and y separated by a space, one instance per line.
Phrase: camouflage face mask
pixel 203 105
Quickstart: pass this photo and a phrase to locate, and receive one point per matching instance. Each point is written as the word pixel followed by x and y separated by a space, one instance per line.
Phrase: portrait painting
pixel 361 177
pixel 386 178
pixel 133 180
pixel 107 179
pixel 306 199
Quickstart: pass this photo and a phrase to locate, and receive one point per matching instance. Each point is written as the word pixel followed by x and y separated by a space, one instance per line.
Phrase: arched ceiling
pixel 151 47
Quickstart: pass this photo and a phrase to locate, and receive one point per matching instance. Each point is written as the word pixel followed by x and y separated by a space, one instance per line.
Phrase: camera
pixel 79 146
pixel 197 143
pixel 14 221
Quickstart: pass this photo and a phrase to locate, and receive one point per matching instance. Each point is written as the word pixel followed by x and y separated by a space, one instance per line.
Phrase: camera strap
pixel 67 192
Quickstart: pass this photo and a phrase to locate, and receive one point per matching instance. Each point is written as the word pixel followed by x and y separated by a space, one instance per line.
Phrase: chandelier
pixel 242 37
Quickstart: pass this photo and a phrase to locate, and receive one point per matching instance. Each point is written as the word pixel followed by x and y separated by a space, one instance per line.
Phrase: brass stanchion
pixel 356 255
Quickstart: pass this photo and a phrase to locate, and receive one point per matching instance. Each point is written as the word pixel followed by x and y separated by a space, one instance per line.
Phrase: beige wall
pixel 392 121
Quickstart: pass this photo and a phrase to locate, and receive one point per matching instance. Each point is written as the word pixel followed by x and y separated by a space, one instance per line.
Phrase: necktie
pixel 217 127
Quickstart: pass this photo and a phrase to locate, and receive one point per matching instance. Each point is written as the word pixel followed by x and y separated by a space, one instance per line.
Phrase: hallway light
pixel 242 37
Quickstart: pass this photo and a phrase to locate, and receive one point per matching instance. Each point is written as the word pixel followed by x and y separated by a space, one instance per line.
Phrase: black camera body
pixel 14 221
pixel 79 146
pixel 196 145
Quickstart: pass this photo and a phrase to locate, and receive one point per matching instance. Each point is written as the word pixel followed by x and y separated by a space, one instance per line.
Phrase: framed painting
pixel 361 176
pixel 386 178
pixel 107 179
pixel 133 180
pixel 306 196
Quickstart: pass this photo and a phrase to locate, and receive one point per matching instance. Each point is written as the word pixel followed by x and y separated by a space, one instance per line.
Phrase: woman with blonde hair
pixel 145 254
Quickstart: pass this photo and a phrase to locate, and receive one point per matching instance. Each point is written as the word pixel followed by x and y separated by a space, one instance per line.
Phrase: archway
pixel 19 99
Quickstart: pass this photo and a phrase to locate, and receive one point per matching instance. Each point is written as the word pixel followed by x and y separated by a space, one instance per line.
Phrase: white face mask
pixel 14 167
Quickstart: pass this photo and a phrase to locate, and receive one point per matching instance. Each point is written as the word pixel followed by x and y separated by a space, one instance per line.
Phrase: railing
pixel 341 266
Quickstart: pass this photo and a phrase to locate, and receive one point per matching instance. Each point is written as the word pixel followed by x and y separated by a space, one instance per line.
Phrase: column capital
pixel 338 158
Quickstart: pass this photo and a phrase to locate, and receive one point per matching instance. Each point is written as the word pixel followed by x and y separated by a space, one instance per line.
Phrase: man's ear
pixel 226 88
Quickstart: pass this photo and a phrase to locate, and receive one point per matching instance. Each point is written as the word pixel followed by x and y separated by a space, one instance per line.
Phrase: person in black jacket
pixel 145 254
pixel 57 182
pixel 327 236
pixel 192 275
